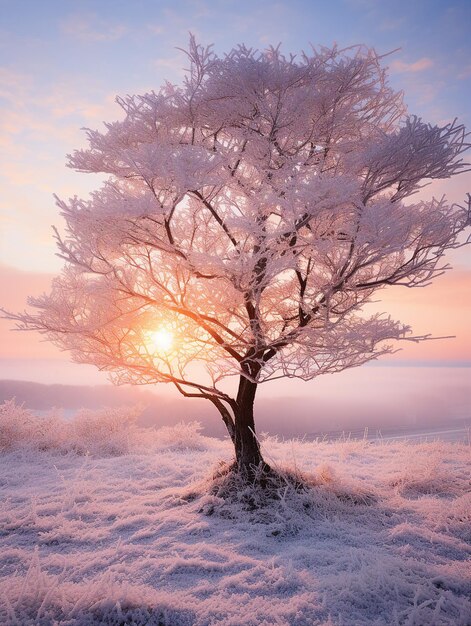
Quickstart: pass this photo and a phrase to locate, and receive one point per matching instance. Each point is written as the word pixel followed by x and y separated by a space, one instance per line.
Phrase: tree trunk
pixel 247 449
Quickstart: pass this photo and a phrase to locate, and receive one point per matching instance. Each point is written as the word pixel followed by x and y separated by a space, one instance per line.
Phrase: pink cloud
pixel 87 27
pixel 416 66
pixel 391 24
pixel 14 86
pixel 465 73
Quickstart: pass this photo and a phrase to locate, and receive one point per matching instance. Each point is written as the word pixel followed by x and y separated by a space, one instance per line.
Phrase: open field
pixel 104 523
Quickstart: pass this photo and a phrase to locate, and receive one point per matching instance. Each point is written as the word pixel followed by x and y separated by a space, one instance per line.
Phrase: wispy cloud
pixel 465 72
pixel 155 29
pixel 64 99
pixel 172 65
pixel 415 66
pixel 88 27
pixel 13 85
pixel 363 4
pixel 390 24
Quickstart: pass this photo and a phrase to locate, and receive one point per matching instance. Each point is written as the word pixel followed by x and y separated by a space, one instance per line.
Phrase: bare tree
pixel 249 216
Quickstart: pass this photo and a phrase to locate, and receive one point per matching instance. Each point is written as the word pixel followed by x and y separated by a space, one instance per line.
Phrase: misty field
pixel 105 523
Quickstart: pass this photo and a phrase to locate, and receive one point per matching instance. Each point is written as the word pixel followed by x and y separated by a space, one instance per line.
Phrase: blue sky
pixel 129 45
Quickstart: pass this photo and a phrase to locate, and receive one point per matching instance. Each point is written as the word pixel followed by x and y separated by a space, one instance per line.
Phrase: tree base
pixel 268 494
pixel 252 474
pixel 256 487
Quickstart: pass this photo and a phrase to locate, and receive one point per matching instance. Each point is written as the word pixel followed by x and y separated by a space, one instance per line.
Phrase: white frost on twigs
pixel 253 211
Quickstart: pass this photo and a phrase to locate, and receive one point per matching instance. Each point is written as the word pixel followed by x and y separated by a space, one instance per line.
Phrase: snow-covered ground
pixel 101 523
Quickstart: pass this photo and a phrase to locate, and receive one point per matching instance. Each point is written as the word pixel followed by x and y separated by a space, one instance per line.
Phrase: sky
pixel 62 63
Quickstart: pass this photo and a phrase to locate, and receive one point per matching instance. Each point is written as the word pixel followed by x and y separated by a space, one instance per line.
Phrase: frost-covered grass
pixel 102 523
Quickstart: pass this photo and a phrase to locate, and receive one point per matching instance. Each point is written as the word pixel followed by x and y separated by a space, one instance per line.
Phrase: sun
pixel 160 340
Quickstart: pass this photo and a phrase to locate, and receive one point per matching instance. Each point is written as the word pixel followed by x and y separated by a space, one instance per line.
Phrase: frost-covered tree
pixel 248 217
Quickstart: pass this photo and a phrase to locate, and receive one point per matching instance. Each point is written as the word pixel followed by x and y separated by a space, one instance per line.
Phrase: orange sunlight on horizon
pixel 442 309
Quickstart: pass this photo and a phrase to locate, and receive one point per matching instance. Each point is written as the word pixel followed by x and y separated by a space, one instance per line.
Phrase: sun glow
pixel 160 340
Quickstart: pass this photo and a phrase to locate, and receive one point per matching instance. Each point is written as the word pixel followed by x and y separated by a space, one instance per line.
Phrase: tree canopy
pixel 249 215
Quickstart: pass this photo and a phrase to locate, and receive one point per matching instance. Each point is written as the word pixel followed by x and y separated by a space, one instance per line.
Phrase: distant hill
pixel 157 411
pixel 285 416
pixel 41 397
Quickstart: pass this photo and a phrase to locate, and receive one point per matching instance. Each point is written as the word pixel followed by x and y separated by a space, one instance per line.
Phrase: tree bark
pixel 226 417
pixel 247 448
